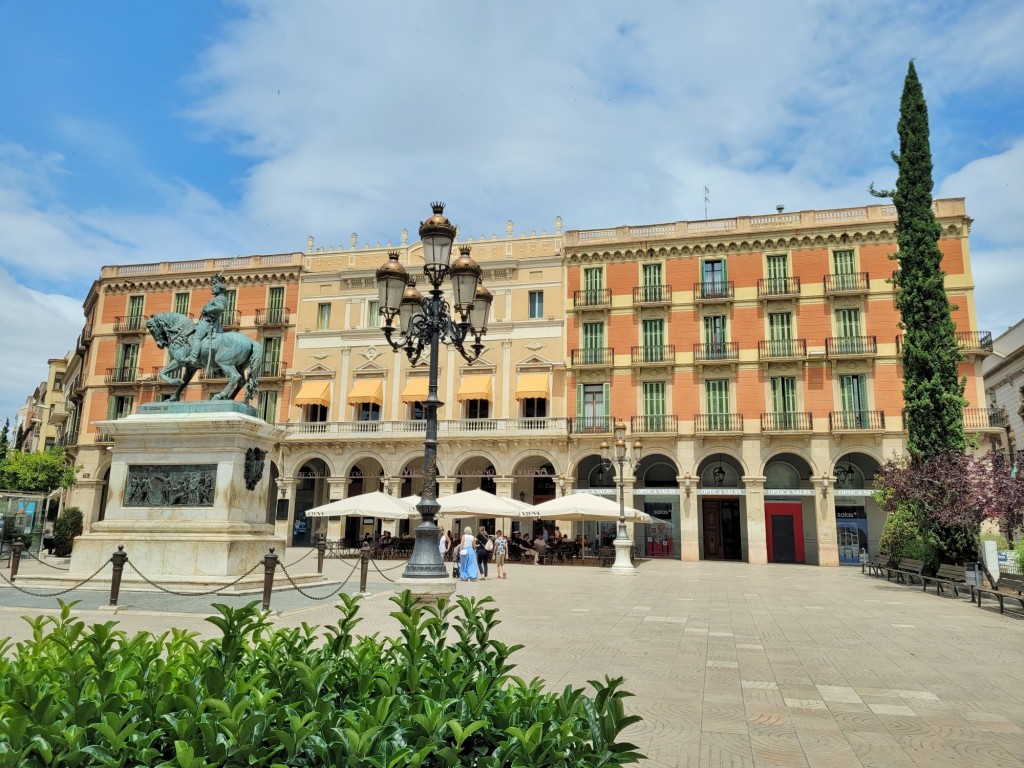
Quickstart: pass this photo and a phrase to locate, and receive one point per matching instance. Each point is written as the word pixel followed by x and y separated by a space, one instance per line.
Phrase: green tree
pixel 5 438
pixel 68 526
pixel 933 393
pixel 38 472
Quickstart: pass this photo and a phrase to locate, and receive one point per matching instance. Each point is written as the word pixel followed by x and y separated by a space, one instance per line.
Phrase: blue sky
pixel 144 131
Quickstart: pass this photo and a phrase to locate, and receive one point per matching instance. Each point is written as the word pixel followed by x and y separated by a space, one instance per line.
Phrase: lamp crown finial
pixel 437 208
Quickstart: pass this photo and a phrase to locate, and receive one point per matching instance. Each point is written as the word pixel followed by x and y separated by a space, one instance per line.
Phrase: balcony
pixel 664 424
pixel 985 418
pixel 592 298
pixel 664 355
pixel 84 339
pixel 782 349
pixel 799 421
pixel 271 316
pixel 103 438
pixel 718 423
pixel 129 324
pixel 591 425
pixel 856 421
pixel 415 429
pixel 273 369
pixel 847 283
pixel 851 346
pixel 652 295
pixel 769 288
pixel 230 319
pixel 711 291
pixel 212 373
pixel 58 413
pixel 725 352
pixel 122 375
pixel 975 342
pixel 591 357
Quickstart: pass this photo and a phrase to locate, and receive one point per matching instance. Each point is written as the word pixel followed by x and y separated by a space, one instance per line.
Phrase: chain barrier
pixel 152 583
pixel 311 551
pixel 61 592
pixel 389 569
pixel 303 592
pixel 401 564
pixel 55 567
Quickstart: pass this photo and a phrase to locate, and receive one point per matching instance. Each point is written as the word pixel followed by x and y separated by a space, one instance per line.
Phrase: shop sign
pixel 655 491
pixel 842 493
pixel 597 491
pixel 789 492
pixel 721 491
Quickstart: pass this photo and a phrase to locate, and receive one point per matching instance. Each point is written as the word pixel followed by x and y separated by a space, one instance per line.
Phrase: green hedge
pixel 67 527
pixel 440 694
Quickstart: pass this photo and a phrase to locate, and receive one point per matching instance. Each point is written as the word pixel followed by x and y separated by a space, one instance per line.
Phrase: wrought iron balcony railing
pixel 666 423
pixel 780 349
pixel 592 297
pixel 592 356
pixel 716 352
pixel 589 425
pixel 974 341
pixel 272 369
pixel 778 287
pixel 842 421
pixel 652 294
pixel 415 428
pixel 848 282
pixel 718 422
pixel 230 319
pixel 653 355
pixel 782 421
pixel 714 290
pixel 985 418
pixel 273 316
pixel 851 346
pixel 122 375
pixel 129 324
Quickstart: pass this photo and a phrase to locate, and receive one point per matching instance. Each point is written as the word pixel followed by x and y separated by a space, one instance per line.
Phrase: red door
pixel 784 529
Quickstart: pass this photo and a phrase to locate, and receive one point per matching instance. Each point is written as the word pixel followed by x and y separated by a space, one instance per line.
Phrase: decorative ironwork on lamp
pixel 621 457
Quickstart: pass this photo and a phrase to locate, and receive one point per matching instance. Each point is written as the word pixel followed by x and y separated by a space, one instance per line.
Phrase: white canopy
pixel 478 503
pixel 587 506
pixel 375 504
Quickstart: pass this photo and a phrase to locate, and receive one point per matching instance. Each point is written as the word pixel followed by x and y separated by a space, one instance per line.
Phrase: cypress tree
pixel 932 390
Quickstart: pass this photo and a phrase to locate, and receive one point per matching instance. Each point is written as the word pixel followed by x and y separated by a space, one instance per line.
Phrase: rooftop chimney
pixel 780 208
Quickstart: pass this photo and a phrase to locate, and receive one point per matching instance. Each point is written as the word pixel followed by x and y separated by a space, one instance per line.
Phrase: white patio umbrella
pixel 587 506
pixel 375 504
pixel 478 503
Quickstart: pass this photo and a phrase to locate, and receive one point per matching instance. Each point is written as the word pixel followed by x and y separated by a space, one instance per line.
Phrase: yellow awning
pixel 367 391
pixel 415 389
pixel 314 393
pixel 475 388
pixel 532 385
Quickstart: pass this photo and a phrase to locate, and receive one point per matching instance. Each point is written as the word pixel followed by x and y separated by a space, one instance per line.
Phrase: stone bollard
pixel 118 559
pixel 364 565
pixel 269 566
pixel 321 548
pixel 16 550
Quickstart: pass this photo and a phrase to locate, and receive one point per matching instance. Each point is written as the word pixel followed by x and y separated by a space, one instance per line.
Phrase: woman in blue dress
pixel 467 557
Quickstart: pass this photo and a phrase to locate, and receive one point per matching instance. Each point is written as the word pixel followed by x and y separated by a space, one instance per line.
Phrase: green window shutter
pixel 848 327
pixel 231 297
pixel 275 299
pixel 111 407
pixel 778 267
pixel 854 396
pixel 579 400
pixel 129 404
pixel 843 261
pixel 181 303
pixel 653 332
pixel 784 394
pixel 135 305
pixel 606 394
pixel 654 399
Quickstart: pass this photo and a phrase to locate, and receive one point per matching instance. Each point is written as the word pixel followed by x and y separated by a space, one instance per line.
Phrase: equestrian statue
pixel 204 344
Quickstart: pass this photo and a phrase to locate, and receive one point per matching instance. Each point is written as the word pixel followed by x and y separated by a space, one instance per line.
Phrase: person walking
pixel 467 557
pixel 484 547
pixel 500 553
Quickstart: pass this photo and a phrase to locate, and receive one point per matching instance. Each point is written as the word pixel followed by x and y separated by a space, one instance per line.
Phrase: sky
pixel 136 131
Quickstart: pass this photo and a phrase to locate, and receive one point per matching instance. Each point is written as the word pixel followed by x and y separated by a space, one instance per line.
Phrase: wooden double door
pixel 722 530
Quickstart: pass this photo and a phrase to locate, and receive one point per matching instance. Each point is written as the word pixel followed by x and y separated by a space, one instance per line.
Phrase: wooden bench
pixel 906 571
pixel 947 575
pixel 875 565
pixel 1008 584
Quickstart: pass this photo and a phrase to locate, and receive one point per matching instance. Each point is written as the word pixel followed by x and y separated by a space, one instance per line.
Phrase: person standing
pixel 467 557
pixel 500 553
pixel 48 539
pixel 484 547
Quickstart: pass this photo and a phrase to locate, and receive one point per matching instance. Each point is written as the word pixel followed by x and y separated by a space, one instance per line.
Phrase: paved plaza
pixel 731 664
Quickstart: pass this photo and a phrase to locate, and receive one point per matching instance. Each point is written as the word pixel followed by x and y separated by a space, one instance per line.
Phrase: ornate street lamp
pixel 623 544
pixel 426 321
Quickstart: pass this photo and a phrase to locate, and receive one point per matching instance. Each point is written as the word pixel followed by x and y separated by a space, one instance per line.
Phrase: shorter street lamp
pixel 623 544
pixel 426 321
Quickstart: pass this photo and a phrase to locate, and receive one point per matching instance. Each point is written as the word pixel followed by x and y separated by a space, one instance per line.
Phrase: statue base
pixel 188 499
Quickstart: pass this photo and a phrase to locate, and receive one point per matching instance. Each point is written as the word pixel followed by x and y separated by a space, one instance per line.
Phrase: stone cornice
pixel 162 283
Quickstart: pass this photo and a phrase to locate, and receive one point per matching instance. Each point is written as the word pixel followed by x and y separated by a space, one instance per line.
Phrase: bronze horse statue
pixel 240 357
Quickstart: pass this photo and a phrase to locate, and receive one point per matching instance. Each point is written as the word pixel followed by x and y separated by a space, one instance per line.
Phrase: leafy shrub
pixel 67 527
pixel 903 536
pixel 998 538
pixel 440 694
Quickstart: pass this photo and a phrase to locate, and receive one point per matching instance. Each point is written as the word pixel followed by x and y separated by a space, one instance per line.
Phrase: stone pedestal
pixel 187 497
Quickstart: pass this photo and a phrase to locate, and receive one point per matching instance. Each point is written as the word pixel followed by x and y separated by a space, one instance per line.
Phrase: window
pixel 126 358
pixel 593 285
pixel 275 304
pixel 323 316
pixel 367 412
pixel 652 282
pixel 654 405
pixel 373 318
pixel 119 406
pixel 714 337
pixel 534 407
pixel 477 409
pixel 844 278
pixel 135 306
pixel 784 402
pixel 271 355
pixel 593 403
pixel 316 413
pixel 181 303
pixel 653 332
pixel 848 330
pixel 593 343
pixel 417 410
pixel 231 297
pixel 536 305
pixel 717 393
pixel 713 279
pixel 778 273
pixel 780 334
pixel 853 392
pixel 267 406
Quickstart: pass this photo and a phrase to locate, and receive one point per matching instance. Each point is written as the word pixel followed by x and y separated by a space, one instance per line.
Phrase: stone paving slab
pixel 730 664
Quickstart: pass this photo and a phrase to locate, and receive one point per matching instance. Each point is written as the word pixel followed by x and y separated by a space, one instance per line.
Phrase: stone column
pixel 757 539
pixel 446 486
pixel 285 490
pixel 337 488
pixel 825 523
pixel 689 520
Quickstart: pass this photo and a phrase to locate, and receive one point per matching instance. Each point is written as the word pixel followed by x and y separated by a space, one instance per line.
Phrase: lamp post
pixel 623 544
pixel 425 322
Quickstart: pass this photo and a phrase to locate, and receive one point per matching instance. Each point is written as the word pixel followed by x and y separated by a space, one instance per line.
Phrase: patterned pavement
pixel 731 664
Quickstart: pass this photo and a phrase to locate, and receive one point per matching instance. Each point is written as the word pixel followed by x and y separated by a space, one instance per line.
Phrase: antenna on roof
pixel 707 198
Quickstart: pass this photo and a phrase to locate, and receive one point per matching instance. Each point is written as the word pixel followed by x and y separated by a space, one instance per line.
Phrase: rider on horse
pixel 209 319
